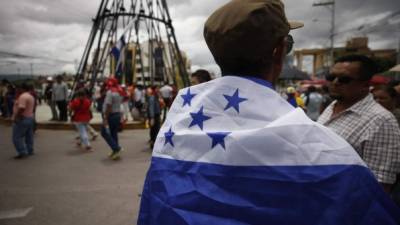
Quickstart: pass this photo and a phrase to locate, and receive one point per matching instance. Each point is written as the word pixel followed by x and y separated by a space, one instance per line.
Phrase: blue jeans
pixel 23 136
pixel 83 134
pixel 110 135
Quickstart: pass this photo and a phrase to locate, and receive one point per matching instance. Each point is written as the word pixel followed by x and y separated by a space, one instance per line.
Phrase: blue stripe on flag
pixel 117 52
pixel 260 81
pixel 179 192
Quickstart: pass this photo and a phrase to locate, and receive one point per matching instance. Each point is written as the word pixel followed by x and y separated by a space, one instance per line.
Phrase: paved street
pixel 43 115
pixel 63 185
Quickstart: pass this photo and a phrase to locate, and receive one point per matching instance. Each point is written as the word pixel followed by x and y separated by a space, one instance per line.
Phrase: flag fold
pixel 232 151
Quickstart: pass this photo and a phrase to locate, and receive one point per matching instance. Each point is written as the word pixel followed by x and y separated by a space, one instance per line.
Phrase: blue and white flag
pixel 232 151
pixel 118 50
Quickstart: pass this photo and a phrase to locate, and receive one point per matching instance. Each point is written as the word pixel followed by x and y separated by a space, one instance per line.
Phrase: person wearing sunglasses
pixel 371 129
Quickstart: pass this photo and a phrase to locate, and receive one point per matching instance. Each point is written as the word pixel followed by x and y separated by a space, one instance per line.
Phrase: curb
pixel 70 126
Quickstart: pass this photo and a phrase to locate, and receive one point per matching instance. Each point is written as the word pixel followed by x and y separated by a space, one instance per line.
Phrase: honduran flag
pixel 232 151
pixel 118 52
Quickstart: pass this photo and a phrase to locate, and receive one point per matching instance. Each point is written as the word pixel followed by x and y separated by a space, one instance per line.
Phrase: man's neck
pixel 343 105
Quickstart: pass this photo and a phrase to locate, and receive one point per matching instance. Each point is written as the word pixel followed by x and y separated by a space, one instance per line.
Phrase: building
pixel 144 68
pixel 137 67
pixel 358 45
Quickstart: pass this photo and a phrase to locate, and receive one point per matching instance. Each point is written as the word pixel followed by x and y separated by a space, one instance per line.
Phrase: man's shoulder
pixel 377 112
pixel 114 95
pixel 376 117
pixel 25 98
pixel 396 112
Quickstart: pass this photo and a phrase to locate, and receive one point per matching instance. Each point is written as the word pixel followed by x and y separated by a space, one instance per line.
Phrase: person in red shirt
pixel 81 115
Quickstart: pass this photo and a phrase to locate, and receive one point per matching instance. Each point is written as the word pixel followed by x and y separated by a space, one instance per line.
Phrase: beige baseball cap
pixel 247 29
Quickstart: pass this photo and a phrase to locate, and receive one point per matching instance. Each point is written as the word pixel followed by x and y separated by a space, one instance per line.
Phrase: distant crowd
pixel 117 104
pixel 315 99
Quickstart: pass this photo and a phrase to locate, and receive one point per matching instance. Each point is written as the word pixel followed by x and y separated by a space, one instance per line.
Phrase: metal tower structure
pixel 142 33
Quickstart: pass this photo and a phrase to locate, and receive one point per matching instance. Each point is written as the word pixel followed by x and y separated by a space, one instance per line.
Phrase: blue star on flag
pixel 234 101
pixel 187 98
pixel 218 138
pixel 168 137
pixel 198 118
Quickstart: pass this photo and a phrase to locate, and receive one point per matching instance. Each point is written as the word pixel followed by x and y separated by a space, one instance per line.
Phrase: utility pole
pixel 32 70
pixel 331 6
pixel 398 53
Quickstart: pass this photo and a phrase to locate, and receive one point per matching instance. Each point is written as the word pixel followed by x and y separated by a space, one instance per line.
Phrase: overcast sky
pixel 59 29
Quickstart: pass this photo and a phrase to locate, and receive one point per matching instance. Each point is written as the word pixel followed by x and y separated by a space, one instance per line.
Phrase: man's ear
pixel 278 57
pixel 366 86
pixel 279 52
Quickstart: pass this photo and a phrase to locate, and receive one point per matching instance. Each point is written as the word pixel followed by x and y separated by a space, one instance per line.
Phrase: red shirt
pixel 81 109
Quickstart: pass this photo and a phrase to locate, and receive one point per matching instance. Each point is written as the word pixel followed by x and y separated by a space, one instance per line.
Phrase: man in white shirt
pixel 166 94
pixel 60 96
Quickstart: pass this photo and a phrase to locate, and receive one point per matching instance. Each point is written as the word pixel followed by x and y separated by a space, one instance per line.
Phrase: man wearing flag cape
pixel 232 151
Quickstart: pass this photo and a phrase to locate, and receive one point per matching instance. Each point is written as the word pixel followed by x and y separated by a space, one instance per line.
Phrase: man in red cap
pixel 112 116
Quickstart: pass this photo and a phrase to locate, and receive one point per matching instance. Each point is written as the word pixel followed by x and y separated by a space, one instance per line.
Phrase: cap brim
pixel 295 25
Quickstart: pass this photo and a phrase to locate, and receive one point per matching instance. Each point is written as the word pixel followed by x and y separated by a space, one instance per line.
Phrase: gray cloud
pixel 349 14
pixel 59 29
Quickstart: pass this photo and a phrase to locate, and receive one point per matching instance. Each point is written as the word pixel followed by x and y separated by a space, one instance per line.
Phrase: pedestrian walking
pixel 153 113
pixel 60 96
pixel 10 97
pixel 293 98
pixel 312 101
pixel 125 105
pixel 23 122
pixel 3 90
pixel 139 100
pixel 81 116
pixel 166 94
pixel 48 93
pixel 112 116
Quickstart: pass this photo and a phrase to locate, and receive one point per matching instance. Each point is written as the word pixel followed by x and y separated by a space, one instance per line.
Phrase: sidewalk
pixel 43 115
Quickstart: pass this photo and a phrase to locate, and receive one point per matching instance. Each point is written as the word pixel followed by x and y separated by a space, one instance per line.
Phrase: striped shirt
pixel 373 132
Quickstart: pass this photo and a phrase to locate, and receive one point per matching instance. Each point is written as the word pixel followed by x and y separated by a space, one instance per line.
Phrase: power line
pixel 18 55
pixel 367 27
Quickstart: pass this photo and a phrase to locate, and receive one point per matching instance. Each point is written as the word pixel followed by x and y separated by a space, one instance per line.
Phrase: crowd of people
pixel 117 103
pixel 346 134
